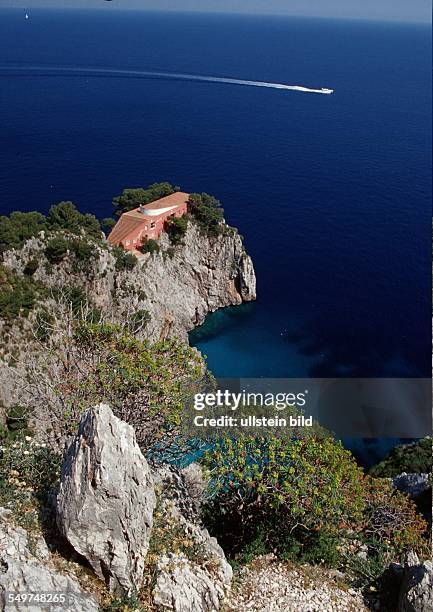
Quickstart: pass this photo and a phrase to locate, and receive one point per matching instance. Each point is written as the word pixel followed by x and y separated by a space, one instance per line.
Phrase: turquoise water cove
pixel 329 191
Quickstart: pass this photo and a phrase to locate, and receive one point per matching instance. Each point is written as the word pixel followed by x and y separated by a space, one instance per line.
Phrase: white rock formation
pixel 106 499
pixel 193 583
pixel 416 594
pixel 29 570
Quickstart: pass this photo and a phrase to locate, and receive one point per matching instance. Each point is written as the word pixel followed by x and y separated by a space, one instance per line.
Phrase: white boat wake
pixel 112 72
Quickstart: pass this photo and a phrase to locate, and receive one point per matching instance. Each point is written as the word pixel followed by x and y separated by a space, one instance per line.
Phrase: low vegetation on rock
pixel 409 458
pixel 306 500
pixel 19 227
pixel 133 198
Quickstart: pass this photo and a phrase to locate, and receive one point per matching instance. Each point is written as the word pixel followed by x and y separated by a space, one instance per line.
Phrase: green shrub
pixel 176 229
pixel 56 249
pixel 124 260
pixel 410 458
pixel 85 254
pixel 43 324
pixel 108 223
pixel 65 216
pixel 391 517
pixel 123 604
pixel 72 295
pixel 133 198
pixel 19 227
pixel 207 212
pixel 368 571
pixel 149 246
pixel 311 484
pixel 301 499
pixel 145 385
pixel 83 250
pixel 17 294
pixel 17 422
pixel 298 545
pixel 31 267
pixel 26 468
pixel 170 252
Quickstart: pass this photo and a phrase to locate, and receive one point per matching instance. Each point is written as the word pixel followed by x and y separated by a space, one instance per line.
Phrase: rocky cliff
pixel 173 289
pixel 178 286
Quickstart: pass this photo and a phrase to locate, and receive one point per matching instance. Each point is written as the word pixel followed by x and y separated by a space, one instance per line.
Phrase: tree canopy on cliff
pixel 207 212
pixel 133 198
pixel 18 227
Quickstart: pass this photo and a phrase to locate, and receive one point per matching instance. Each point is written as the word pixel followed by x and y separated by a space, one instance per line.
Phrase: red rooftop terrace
pixel 147 221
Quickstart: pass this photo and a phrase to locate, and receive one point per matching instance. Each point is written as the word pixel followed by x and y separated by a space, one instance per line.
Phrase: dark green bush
pixel 139 320
pixel 17 294
pixel 410 458
pixel 19 227
pixel 176 229
pixel 108 223
pixel 170 252
pixel 301 499
pixel 17 422
pixel 312 484
pixel 133 198
pixel 144 384
pixel 65 216
pixel 43 324
pixel 56 249
pixel 27 469
pixel 124 260
pixel 149 246
pixel 83 250
pixel 207 212
pixel 85 254
pixel 31 267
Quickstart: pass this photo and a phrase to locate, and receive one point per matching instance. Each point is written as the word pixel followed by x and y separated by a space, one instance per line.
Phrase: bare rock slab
pixel 198 581
pixel 28 570
pixel 416 594
pixel 106 500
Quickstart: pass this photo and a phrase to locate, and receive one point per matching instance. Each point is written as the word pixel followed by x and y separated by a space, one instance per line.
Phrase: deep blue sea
pixel 332 193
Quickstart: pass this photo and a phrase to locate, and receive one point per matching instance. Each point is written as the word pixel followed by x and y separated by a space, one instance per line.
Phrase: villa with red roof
pixel 147 221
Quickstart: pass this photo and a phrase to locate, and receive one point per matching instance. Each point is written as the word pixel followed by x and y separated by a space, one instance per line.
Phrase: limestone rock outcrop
pixel 178 286
pixel 183 586
pixel 106 500
pixel 416 593
pixel 26 569
pixel 412 484
pixel 198 578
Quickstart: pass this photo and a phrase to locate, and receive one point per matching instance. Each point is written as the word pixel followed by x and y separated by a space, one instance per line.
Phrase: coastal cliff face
pixel 178 286
pixel 174 289
pixel 197 278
